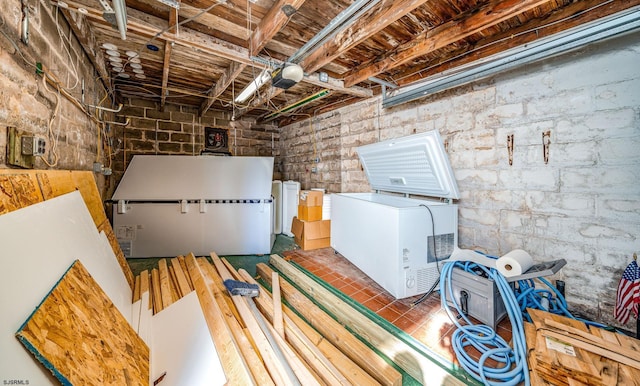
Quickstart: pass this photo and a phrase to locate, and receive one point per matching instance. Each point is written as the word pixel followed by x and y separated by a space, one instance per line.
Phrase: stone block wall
pixel 179 130
pixel 583 205
pixel 26 103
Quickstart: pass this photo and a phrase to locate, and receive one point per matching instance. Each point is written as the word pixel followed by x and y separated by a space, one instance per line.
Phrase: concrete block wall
pixel 27 104
pixel 178 129
pixel 583 205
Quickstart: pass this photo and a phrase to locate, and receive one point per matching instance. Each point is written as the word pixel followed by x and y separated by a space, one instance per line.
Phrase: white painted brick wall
pixel 583 206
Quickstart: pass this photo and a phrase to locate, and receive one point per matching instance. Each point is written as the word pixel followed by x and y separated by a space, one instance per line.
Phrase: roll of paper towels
pixel 514 263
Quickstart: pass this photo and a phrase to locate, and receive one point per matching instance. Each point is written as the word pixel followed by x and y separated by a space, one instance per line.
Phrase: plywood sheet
pixel 31 267
pixel 21 188
pixel 85 339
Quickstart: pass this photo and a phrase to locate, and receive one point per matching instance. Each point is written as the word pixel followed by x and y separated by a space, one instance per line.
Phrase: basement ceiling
pixel 204 52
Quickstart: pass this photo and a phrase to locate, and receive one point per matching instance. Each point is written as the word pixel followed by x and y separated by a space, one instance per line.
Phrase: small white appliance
pixel 167 206
pixel 290 191
pixel 399 234
pixel 276 193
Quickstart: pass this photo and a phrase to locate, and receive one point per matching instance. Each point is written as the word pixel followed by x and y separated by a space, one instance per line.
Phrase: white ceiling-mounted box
pixel 399 234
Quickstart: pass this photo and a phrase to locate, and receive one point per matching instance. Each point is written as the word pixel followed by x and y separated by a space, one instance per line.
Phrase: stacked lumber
pixel 166 284
pixel 564 351
pixel 259 340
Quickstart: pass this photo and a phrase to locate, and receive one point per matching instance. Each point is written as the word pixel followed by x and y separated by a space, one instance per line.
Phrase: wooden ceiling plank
pixel 271 24
pixel 557 20
pixel 167 59
pixel 338 85
pixel 148 26
pixel 210 20
pixel 225 80
pixel 257 102
pixel 443 35
pixel 387 12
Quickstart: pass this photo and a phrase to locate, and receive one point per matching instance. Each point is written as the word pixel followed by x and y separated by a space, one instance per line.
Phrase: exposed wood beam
pixel 220 23
pixel 573 15
pixel 338 85
pixel 387 12
pixel 225 80
pixel 257 102
pixel 148 26
pixel 167 57
pixel 271 24
pixel 443 35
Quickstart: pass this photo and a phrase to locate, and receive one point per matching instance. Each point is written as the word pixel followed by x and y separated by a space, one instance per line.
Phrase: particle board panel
pixel 55 183
pixel 18 191
pixel 21 188
pixel 39 243
pixel 85 339
pixel 86 184
pixel 183 347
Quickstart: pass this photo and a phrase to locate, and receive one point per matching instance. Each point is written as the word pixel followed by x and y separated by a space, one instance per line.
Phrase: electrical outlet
pixel 32 145
pixel 15 156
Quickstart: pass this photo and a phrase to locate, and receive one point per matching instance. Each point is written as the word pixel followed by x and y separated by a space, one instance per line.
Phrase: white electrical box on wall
pixel 399 234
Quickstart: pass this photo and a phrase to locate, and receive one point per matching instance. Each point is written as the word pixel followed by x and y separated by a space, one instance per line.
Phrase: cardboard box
pixel 311 234
pixel 310 198
pixel 309 213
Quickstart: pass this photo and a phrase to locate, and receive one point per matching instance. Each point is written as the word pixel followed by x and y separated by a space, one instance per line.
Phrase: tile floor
pixel 427 321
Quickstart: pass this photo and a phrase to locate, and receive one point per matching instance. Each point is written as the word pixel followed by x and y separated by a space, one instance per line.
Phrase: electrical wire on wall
pixel 54 138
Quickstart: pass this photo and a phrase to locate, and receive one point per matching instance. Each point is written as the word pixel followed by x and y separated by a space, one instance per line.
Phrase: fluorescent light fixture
pixel 120 8
pixel 614 25
pixel 254 86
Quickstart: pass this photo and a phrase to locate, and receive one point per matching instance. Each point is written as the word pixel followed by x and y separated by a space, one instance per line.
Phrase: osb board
pixel 21 188
pixel 80 336
pixel 18 191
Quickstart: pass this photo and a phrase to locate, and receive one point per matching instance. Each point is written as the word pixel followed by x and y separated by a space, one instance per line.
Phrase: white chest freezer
pixel 399 234
pixel 166 206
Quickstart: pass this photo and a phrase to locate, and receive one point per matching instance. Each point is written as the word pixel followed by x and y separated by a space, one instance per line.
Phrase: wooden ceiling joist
pixel 385 13
pixel 225 80
pixel 167 58
pixel 272 23
pixel 441 36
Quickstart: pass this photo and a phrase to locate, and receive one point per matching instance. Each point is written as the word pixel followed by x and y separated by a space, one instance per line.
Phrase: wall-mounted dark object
pixel 546 141
pixel 510 148
pixel 216 140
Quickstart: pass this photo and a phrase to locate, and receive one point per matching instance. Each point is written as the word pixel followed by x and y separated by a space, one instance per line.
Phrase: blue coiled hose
pixel 513 360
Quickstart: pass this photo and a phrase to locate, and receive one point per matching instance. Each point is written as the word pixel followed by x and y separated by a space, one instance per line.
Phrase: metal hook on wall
pixel 546 141
pixel 510 148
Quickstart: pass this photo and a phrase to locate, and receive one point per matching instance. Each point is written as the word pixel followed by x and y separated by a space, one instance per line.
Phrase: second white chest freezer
pixel 399 234
pixel 167 206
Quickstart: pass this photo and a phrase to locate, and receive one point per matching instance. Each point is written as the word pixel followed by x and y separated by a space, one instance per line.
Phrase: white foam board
pixel 39 243
pixel 182 346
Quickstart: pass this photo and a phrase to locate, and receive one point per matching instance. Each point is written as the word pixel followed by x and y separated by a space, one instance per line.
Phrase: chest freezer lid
pixel 176 177
pixel 416 164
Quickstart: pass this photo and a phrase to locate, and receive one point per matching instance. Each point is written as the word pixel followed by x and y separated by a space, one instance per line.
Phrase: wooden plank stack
pixel 247 356
pixel 564 351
